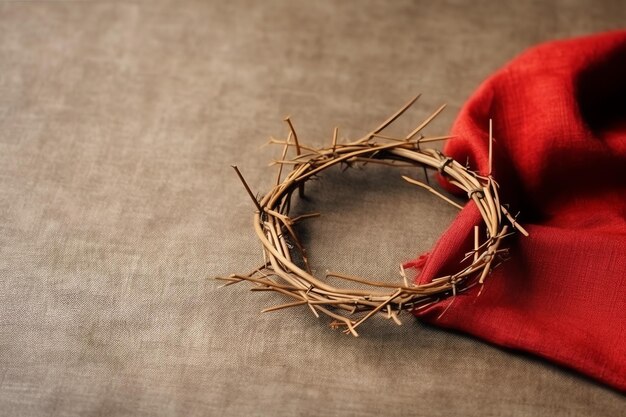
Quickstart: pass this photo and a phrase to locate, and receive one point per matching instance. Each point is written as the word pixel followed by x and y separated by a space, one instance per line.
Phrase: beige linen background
pixel 118 123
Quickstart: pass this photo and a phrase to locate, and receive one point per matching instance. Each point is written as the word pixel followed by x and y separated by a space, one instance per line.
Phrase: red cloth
pixel 559 115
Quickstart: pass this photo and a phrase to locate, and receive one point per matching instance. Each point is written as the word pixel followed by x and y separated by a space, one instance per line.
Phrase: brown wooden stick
pixel 245 184
pixel 490 147
pixel 293 132
pixel 425 122
pixel 397 114
pixel 432 190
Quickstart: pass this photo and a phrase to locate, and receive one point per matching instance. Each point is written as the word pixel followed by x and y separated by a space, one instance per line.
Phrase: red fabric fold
pixel 559 115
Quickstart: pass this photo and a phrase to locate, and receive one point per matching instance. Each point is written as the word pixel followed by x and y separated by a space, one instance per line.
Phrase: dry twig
pixel 349 308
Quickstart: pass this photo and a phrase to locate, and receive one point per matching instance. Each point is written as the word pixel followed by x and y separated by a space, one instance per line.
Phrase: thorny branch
pixel 349 308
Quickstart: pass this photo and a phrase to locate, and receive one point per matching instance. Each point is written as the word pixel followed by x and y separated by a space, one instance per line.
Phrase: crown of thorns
pixel 348 307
